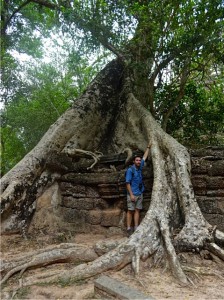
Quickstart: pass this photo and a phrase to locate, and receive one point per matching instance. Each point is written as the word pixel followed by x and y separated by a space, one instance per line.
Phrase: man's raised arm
pixel 147 151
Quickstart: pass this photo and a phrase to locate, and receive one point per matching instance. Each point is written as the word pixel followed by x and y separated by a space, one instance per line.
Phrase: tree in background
pixel 154 42
pixel 44 93
pixel 198 118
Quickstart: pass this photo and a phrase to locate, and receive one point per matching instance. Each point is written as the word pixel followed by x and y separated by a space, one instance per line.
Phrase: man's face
pixel 137 162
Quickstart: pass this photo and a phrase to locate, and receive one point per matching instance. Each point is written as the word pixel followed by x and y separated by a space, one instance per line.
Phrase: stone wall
pixel 95 201
pixel 208 181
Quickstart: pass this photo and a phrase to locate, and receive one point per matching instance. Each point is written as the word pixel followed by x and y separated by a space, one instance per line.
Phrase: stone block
pixel 199 166
pixel 100 203
pixel 210 205
pixel 78 203
pixel 115 230
pixel 216 168
pixel 215 183
pixel 215 152
pixel 215 193
pixel 79 189
pixel 111 190
pixel 220 205
pixel 98 229
pixel 121 186
pixel 94 217
pixel 92 192
pixel 75 216
pixel 113 197
pixel 215 219
pixel 111 217
pixel 200 192
pixel 120 203
pixel 198 182
pixel 45 200
pixel 109 288
pixel 91 178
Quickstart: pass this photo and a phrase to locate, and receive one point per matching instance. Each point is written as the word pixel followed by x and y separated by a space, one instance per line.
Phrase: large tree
pixel 153 41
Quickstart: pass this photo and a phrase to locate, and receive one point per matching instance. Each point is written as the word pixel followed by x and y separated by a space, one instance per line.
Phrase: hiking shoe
pixel 129 232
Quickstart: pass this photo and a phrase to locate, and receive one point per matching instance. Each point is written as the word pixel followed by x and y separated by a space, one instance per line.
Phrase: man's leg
pixel 129 222
pixel 130 213
pixel 138 207
pixel 129 218
pixel 136 217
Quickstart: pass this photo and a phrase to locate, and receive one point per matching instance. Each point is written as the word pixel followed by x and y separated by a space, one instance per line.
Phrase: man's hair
pixel 135 156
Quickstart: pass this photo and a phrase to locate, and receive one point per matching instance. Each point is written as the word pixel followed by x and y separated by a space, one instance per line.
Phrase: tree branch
pixel 40 2
pixel 7 22
pixel 45 4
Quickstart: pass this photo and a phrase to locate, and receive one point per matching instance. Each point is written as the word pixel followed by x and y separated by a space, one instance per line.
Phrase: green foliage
pixel 12 148
pixel 199 117
pixel 45 92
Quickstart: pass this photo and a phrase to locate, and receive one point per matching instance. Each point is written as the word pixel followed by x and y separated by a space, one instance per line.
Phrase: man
pixel 135 190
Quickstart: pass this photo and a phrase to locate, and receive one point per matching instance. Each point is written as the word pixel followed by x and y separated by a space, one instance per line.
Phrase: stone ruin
pixel 94 201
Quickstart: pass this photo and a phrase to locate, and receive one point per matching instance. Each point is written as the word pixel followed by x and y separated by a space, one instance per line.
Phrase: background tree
pixel 176 36
pixel 43 93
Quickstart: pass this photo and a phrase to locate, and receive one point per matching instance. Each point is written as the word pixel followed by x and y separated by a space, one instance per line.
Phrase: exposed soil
pixel 157 282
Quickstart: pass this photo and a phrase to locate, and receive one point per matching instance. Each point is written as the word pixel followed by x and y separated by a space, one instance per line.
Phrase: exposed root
pixel 105 246
pixel 120 256
pixel 45 276
pixel 136 261
pixel 215 249
pixel 60 253
pixel 219 237
pixel 202 271
pixel 129 155
pixel 172 256
pixel 159 256
pixel 75 152
pixel 217 260
pixel 8 193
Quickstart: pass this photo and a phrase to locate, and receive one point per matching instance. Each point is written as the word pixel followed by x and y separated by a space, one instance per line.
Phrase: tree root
pixel 172 256
pixel 215 249
pixel 8 191
pixel 65 252
pixel 75 152
pixel 59 253
pixel 122 255
pixel 219 237
pixel 203 271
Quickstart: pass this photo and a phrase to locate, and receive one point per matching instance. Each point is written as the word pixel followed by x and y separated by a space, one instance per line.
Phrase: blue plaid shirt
pixel 134 177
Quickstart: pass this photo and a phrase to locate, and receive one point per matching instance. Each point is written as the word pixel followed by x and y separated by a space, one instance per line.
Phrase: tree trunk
pixel 109 112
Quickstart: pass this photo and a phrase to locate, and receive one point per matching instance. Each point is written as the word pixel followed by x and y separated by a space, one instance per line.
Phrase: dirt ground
pixel 157 283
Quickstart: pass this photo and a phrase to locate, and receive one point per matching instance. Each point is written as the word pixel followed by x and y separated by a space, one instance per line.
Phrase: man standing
pixel 135 190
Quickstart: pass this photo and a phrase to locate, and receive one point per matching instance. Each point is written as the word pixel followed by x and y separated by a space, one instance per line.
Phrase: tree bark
pixel 74 129
pixel 110 112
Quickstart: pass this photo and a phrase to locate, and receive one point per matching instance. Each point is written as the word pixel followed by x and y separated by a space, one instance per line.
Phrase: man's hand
pixel 128 186
pixel 132 198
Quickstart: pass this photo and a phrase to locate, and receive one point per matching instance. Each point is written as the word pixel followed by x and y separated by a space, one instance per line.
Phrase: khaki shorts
pixel 132 205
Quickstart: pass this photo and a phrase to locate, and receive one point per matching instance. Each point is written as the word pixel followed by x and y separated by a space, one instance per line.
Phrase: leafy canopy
pixel 172 49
